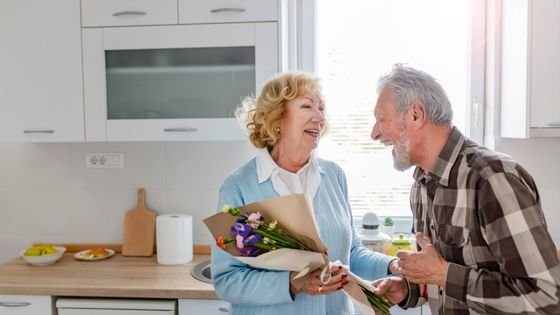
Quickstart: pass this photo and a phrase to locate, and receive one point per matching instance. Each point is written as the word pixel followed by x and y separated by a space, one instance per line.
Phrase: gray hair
pixel 410 85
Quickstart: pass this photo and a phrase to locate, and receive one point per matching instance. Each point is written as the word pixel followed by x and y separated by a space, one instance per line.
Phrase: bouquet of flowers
pixel 277 234
pixel 253 236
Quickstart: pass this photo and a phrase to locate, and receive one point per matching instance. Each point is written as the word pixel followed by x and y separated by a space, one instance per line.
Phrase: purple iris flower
pixel 241 229
pixel 249 248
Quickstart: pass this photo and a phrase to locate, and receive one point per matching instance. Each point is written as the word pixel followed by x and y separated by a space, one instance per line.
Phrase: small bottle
pixel 370 234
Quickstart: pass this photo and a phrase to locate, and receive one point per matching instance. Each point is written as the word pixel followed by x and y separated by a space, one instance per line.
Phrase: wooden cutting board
pixel 139 229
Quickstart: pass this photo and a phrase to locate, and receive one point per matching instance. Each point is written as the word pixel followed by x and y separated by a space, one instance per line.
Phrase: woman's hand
pixel 313 284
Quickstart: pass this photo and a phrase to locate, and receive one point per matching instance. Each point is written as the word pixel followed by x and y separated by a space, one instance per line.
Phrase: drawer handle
pixel 554 124
pixel 15 304
pixel 38 131
pixel 187 129
pixel 222 10
pixel 223 309
pixel 129 13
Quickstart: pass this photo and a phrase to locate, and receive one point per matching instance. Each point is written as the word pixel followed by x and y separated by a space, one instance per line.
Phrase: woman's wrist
pixel 393 267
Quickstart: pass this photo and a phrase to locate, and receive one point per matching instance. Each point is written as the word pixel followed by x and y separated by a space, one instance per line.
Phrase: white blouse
pixel 305 181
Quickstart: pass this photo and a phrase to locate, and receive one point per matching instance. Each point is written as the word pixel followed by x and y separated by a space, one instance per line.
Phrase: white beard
pixel 401 154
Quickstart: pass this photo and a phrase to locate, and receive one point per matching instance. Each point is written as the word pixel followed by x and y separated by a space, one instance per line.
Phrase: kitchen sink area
pixel 202 271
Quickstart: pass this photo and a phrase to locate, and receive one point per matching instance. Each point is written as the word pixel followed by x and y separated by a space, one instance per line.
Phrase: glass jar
pixel 399 243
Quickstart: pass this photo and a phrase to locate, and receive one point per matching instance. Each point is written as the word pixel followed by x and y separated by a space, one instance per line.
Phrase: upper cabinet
pixel 128 12
pixel 148 77
pixel 41 96
pixel 530 88
pixel 220 11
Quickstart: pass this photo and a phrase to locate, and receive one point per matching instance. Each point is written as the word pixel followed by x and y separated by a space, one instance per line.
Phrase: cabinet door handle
pixel 38 131
pixel 222 10
pixel 15 304
pixel 223 309
pixel 129 13
pixel 554 124
pixel 187 129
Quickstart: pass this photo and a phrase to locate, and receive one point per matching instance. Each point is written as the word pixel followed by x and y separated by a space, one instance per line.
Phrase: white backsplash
pixel 48 195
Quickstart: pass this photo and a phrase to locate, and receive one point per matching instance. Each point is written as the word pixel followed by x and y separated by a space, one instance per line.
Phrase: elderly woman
pixel 285 123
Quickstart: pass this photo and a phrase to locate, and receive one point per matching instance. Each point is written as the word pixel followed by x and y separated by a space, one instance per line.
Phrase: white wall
pixel 47 194
pixel 541 157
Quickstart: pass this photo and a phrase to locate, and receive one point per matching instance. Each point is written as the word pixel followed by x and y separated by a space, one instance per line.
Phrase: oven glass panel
pixel 178 83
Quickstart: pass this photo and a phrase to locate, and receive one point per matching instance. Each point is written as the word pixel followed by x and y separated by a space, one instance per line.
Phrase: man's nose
pixel 375 134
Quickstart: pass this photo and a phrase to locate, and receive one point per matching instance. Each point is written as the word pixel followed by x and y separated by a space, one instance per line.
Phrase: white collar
pixel 266 166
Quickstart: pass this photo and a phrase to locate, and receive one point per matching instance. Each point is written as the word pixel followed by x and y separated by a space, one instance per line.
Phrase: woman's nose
pixel 318 116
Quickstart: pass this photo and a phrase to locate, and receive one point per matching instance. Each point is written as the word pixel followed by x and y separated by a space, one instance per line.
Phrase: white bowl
pixel 44 260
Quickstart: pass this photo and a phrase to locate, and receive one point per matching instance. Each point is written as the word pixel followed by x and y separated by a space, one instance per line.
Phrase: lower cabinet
pixel 113 306
pixel 26 304
pixel 203 307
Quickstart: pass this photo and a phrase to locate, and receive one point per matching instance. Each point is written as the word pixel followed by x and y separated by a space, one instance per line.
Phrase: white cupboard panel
pixel 25 305
pixel 221 11
pixel 41 96
pixel 128 12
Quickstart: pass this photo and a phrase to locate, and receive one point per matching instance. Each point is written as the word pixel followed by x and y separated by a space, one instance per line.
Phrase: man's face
pixel 390 129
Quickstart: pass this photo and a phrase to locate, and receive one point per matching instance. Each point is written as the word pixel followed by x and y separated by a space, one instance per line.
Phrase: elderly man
pixel 483 243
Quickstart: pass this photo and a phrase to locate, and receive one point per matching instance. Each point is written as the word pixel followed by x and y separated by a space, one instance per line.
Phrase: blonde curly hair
pixel 262 115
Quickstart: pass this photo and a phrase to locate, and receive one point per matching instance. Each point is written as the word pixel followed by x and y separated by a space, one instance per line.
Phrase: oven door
pixel 173 83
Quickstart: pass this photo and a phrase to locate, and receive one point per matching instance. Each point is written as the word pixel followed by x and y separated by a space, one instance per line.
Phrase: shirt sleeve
pixel 513 226
pixel 240 283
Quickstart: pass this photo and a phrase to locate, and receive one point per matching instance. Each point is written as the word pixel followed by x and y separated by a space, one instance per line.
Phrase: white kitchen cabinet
pixel 227 11
pixel 113 306
pixel 41 98
pixel 203 307
pixel 128 12
pixel 156 78
pixel 174 82
pixel 25 305
pixel 530 93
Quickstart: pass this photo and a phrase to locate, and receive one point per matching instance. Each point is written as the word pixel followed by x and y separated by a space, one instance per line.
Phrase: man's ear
pixel 418 113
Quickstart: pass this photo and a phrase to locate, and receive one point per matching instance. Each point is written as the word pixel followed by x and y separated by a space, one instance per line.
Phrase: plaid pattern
pixel 482 212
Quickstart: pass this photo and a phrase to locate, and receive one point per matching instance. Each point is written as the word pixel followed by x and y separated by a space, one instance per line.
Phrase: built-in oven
pixel 173 82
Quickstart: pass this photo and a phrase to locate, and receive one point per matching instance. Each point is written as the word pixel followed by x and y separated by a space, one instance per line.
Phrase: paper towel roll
pixel 174 239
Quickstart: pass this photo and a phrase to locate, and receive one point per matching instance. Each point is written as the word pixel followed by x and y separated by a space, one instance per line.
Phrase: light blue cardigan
pixel 265 292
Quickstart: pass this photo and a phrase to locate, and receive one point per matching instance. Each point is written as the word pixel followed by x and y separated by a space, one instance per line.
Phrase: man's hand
pixel 425 266
pixel 394 289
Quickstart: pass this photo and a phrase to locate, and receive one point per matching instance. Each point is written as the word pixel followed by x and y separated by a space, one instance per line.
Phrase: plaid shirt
pixel 482 212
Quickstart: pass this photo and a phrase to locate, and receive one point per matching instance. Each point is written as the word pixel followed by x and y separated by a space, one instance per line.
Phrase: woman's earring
pixel 278 129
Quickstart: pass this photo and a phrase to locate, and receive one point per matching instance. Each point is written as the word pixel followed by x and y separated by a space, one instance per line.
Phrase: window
pixel 357 42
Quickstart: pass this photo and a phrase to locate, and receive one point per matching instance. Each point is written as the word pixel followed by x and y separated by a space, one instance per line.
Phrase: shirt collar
pixel 445 160
pixel 266 166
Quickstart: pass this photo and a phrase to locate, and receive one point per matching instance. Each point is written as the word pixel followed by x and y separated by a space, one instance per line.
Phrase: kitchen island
pixel 118 276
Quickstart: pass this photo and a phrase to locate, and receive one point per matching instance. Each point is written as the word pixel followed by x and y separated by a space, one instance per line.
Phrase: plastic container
pixel 371 236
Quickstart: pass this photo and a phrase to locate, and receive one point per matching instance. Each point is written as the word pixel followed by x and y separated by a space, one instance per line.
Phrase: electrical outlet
pixel 105 160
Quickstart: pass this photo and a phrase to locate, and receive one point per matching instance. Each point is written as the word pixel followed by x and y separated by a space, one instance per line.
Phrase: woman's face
pixel 303 121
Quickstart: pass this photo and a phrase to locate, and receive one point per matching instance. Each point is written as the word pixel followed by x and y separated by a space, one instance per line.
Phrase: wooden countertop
pixel 118 276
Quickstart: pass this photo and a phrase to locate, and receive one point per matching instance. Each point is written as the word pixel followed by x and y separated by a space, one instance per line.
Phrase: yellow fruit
pixel 48 250
pixel 40 250
pixel 33 251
